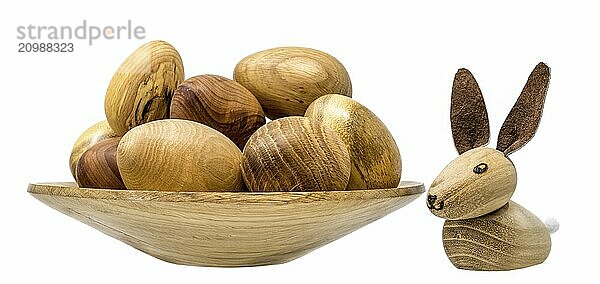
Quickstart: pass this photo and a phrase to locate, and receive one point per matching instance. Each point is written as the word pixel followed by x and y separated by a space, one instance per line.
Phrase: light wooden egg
pixel 179 155
pixel 508 238
pixel 376 161
pixel 220 103
pixel 96 133
pixel 141 89
pixel 97 167
pixel 287 79
pixel 295 154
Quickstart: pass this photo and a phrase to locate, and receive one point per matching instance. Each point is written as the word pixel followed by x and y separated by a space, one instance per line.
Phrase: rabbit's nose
pixel 431 199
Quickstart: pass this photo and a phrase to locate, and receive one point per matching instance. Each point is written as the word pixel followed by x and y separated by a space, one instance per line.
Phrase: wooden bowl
pixel 225 229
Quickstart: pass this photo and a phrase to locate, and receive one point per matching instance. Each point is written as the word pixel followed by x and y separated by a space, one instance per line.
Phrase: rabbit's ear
pixel 524 118
pixel 468 115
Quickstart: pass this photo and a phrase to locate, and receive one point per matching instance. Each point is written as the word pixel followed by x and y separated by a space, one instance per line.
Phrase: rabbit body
pixel 508 238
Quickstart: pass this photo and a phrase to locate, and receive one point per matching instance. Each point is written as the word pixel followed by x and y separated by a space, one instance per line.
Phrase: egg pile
pixel 210 133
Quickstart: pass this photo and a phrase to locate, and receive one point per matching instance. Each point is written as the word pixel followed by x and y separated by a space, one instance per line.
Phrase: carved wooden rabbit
pixel 484 230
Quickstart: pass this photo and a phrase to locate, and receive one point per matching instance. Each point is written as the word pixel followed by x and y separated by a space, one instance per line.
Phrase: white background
pixel 401 58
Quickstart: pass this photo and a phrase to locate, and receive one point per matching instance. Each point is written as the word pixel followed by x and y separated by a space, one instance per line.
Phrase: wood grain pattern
pixel 179 155
pixel 509 238
pixel 97 167
pixel 220 103
pixel 141 89
pixel 225 229
pixel 459 192
pixel 96 133
pixel 287 79
pixel 376 161
pixel 295 154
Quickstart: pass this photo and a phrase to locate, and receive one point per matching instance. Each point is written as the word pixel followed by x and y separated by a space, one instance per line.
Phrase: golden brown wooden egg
pixel 141 89
pixel 94 134
pixel 97 167
pixel 295 154
pixel 287 79
pixel 376 161
pixel 220 103
pixel 179 155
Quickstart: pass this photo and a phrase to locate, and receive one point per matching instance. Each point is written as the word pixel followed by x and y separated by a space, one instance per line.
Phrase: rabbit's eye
pixel 481 168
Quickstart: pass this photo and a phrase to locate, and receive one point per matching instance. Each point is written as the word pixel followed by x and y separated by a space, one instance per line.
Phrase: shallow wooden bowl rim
pixel 70 189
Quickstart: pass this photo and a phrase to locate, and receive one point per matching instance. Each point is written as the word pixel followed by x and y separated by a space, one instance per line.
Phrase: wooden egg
pixel 287 79
pixel 295 154
pixel 141 89
pixel 508 238
pixel 220 103
pixel 179 155
pixel 96 133
pixel 97 167
pixel 376 161
pixel 476 183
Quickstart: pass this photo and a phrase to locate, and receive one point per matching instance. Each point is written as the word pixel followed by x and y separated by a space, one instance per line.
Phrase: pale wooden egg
pixel 295 154
pixel 220 103
pixel 94 134
pixel 141 89
pixel 179 155
pixel 376 161
pixel 287 79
